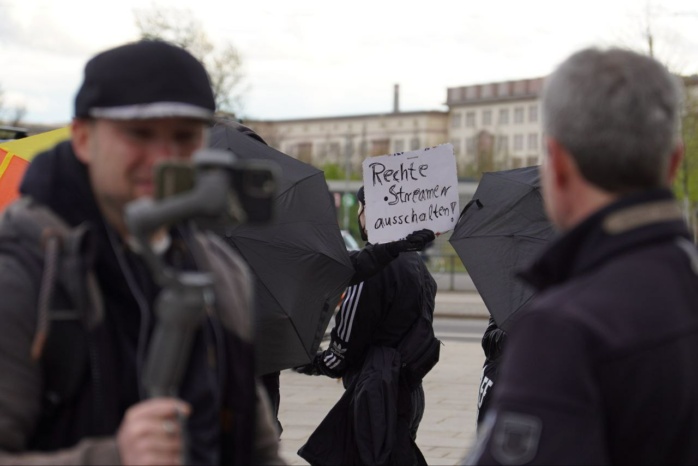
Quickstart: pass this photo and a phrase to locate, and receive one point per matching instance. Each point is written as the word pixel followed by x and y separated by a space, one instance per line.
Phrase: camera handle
pixel 180 306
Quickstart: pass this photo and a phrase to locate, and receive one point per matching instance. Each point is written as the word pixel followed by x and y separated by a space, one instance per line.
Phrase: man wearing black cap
pixel 71 360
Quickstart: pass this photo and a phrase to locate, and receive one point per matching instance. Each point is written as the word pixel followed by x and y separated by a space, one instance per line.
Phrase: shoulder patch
pixel 515 438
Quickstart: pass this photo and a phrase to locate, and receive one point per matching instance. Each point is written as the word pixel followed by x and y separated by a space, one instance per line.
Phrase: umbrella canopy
pixel 500 232
pixel 299 260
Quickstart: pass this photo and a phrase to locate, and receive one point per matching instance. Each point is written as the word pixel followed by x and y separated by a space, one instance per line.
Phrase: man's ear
pixel 81 131
pixel 560 163
pixel 675 163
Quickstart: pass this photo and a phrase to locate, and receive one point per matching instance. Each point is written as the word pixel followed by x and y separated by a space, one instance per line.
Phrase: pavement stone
pixel 447 429
pixel 467 304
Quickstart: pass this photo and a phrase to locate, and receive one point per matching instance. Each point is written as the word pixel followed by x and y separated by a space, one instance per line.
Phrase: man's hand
pixel 415 241
pixel 311 368
pixel 307 369
pixel 151 432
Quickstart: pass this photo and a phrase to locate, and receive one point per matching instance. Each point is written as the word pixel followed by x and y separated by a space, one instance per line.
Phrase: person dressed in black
pixel 371 326
pixel 493 342
pixel 366 262
pixel 600 366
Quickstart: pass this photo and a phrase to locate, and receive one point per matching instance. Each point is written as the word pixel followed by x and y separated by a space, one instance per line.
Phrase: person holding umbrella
pixel 381 313
pixel 78 294
pixel 600 366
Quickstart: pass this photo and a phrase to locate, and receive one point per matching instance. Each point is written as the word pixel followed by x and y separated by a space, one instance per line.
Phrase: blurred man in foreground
pixel 600 368
pixel 72 388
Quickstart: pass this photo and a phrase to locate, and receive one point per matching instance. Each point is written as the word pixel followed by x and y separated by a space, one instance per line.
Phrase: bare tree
pixel 18 113
pixel 224 64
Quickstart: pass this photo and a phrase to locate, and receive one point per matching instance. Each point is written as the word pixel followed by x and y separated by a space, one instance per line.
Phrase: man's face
pixel 120 156
pixel 362 222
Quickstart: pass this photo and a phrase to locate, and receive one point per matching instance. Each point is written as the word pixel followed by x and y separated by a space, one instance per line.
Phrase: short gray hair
pixel 618 113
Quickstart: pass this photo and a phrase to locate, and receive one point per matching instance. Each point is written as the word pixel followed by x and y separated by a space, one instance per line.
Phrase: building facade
pixel 495 126
pixel 345 141
pixel 492 126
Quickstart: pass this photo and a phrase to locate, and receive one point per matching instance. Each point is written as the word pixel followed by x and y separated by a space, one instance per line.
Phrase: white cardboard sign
pixel 409 191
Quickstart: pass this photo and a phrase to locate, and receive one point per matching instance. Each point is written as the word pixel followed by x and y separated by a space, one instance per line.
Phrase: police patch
pixel 515 438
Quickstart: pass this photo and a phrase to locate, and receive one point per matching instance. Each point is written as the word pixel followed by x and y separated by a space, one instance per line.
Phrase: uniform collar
pixel 631 221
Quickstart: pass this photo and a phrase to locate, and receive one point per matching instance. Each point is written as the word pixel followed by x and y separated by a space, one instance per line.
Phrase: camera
pixel 251 185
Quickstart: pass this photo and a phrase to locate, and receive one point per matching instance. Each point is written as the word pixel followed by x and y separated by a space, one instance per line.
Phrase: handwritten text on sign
pixel 410 191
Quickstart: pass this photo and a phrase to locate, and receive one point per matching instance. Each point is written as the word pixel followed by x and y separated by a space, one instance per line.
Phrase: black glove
pixel 311 368
pixel 415 241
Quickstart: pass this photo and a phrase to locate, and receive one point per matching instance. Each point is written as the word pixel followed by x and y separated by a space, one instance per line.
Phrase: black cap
pixel 360 195
pixel 146 79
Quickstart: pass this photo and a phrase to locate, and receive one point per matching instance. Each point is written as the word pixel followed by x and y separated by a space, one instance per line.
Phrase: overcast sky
pixel 320 58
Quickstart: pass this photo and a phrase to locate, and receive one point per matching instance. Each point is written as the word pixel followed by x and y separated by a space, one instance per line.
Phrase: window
pixel 533 113
pixel 334 149
pixel 503 89
pixel 399 145
pixel 470 146
pixel 455 120
pixel 487 90
pixel 503 143
pixel 532 141
pixel 380 147
pixel 470 119
pixel 504 116
pixel 414 144
pixel 471 92
pixel 531 160
pixel 363 146
pixel 519 115
pixel 518 142
pixel 456 146
pixel 305 152
pixel 486 117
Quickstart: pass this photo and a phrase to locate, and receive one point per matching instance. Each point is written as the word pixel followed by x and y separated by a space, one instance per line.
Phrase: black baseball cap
pixel 145 79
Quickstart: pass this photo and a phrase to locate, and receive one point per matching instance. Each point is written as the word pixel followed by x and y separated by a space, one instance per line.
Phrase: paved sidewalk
pixel 460 304
pixel 447 429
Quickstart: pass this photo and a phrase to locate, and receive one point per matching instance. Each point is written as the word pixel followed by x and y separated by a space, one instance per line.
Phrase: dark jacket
pixel 379 312
pixel 374 319
pixel 600 368
pixel 369 424
pixel 113 347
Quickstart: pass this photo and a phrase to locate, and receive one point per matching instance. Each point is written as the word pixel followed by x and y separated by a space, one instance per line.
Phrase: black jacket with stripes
pixel 378 311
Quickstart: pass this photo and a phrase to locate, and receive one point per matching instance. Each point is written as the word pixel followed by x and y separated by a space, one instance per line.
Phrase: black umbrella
pixel 500 232
pixel 299 260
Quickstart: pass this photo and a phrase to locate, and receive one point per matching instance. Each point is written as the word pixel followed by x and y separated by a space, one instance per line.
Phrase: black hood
pixel 57 179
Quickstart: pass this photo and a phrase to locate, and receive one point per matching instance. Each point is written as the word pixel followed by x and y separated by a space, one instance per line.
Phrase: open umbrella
pixel 500 232
pixel 299 260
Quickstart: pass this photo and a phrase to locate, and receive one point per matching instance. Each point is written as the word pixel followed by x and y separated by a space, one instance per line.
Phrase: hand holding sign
pixel 409 191
pixel 415 241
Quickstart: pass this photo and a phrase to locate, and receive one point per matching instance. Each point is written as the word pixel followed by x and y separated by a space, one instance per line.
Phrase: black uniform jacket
pixel 602 366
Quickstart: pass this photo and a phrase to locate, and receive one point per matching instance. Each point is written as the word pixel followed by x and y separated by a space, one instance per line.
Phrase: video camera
pixel 214 189
pixel 250 187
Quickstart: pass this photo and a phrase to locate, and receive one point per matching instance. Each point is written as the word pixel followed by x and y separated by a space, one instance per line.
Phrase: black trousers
pixel 487 382
pixel 272 386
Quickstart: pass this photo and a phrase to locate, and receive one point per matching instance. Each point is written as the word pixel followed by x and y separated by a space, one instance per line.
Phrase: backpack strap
pixel 59 258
